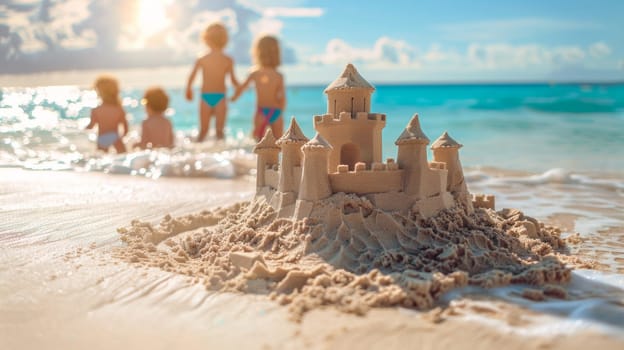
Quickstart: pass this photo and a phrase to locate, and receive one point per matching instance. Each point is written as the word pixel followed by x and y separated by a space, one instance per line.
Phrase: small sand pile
pixel 349 254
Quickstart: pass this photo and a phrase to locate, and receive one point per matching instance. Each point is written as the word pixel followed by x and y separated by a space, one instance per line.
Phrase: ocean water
pixel 579 128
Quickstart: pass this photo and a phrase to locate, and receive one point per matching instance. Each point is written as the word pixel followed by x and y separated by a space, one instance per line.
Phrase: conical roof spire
pixel 293 134
pixel 318 142
pixel 412 133
pixel 445 141
pixel 267 142
pixel 349 79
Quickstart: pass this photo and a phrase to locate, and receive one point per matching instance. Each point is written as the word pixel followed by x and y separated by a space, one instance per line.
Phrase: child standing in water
pixel 215 66
pixel 156 130
pixel 109 115
pixel 269 83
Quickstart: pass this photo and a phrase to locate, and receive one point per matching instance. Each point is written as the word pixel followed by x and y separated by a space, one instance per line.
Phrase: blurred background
pixel 526 86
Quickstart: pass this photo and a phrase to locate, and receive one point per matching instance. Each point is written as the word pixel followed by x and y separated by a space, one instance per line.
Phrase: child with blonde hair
pixel 156 129
pixel 215 67
pixel 109 115
pixel 269 84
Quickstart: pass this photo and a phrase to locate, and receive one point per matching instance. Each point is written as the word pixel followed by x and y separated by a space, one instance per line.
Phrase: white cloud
pixel 385 51
pixel 267 25
pixel 509 29
pixel 599 49
pixel 475 58
pixel 293 12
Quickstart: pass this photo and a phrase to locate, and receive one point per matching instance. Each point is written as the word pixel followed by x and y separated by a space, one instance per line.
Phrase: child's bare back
pixel 215 67
pixel 156 130
pixel 109 116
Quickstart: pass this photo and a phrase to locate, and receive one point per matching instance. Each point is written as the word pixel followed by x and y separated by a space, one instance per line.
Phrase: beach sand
pixel 62 286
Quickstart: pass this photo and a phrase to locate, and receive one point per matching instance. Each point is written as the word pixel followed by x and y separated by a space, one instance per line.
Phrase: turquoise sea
pixel 529 127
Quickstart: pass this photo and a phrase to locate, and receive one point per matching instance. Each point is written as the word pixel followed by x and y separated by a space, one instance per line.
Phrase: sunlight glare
pixel 152 17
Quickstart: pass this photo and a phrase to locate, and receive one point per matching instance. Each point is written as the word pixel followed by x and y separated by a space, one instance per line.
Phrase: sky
pixel 55 42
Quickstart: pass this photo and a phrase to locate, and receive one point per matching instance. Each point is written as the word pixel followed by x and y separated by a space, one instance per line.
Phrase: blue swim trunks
pixel 212 98
pixel 107 139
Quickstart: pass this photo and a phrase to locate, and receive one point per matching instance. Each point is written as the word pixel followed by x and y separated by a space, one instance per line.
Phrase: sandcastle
pixel 345 156
pixel 333 225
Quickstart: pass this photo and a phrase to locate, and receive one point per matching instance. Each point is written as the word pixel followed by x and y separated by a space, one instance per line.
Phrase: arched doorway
pixel 349 155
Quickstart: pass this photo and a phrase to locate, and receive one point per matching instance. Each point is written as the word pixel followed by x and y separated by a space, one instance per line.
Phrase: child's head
pixel 156 99
pixel 266 52
pixel 216 36
pixel 107 88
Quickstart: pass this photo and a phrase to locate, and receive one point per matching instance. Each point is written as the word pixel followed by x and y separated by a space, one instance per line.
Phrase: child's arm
pixel 242 87
pixel 92 122
pixel 171 136
pixel 143 143
pixel 189 84
pixel 124 124
pixel 232 75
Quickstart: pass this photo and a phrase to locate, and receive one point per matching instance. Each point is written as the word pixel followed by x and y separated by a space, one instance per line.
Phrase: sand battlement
pixel 437 166
pixel 483 201
pixel 328 120
pixel 389 165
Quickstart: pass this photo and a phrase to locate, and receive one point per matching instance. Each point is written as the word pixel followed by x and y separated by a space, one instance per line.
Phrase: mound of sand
pixel 349 254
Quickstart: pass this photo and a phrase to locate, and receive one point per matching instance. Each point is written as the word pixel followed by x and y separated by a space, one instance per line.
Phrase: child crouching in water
pixel 109 115
pixel 156 130
pixel 269 83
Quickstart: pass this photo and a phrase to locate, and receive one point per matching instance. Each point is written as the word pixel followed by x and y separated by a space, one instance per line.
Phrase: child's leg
pixel 220 114
pixel 278 127
pixel 204 120
pixel 119 146
pixel 259 120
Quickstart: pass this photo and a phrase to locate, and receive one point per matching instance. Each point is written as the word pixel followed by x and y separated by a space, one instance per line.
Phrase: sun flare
pixel 152 16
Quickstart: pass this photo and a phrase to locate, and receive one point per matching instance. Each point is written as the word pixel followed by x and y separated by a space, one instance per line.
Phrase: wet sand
pixel 62 287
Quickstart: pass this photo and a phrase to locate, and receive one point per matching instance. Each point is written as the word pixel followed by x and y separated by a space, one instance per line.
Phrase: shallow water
pixel 535 128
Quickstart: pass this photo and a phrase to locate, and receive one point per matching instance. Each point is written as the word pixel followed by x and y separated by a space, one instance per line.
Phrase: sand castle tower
pixel 350 92
pixel 315 179
pixel 290 165
pixel 446 149
pixel 348 126
pixel 268 155
pixel 412 157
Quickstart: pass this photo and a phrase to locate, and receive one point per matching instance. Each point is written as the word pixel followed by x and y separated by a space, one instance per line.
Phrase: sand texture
pixel 63 285
pixel 350 255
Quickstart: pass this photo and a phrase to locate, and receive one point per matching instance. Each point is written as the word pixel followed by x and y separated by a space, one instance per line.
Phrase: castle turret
pixel 268 154
pixel 446 149
pixel 412 157
pixel 315 180
pixel 353 132
pixel 290 143
pixel 349 93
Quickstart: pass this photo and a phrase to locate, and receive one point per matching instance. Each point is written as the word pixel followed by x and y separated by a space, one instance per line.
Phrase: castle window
pixel 352 111
pixel 335 112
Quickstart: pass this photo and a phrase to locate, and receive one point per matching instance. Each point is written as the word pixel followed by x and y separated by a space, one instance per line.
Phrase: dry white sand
pixel 62 287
